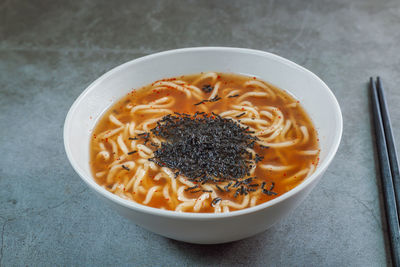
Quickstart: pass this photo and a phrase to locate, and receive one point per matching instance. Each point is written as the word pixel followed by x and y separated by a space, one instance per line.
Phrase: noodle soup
pixel 209 142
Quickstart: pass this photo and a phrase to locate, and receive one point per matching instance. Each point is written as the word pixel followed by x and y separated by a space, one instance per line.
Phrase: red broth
pixel 289 143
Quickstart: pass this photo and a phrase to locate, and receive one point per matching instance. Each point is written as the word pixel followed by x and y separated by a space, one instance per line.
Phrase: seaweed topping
pixel 233 96
pixel 204 148
pixel 207 88
pixel 240 115
pixel 191 188
pixel 214 99
pixel 269 191
pixel 207 148
pixel 215 201
pixel 126 168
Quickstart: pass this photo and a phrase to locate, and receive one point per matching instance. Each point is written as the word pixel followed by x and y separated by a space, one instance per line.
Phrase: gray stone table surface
pixel 51 50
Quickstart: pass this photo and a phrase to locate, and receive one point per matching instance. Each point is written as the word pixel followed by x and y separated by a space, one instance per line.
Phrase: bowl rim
pixel 190 215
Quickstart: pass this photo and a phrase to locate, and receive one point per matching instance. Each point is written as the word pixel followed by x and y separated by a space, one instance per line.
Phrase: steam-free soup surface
pixel 130 160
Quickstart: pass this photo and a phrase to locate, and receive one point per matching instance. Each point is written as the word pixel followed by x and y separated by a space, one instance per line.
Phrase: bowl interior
pixel 313 94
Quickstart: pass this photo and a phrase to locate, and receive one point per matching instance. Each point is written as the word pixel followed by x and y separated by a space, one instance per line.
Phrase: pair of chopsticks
pixel 389 168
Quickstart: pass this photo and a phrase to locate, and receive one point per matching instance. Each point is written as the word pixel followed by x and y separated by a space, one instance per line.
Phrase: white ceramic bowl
pixel 313 94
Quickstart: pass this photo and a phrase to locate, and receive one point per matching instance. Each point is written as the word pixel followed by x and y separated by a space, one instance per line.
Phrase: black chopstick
pixel 386 176
pixel 391 146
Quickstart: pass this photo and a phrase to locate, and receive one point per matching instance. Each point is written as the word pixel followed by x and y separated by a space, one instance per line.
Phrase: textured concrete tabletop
pixel 51 50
